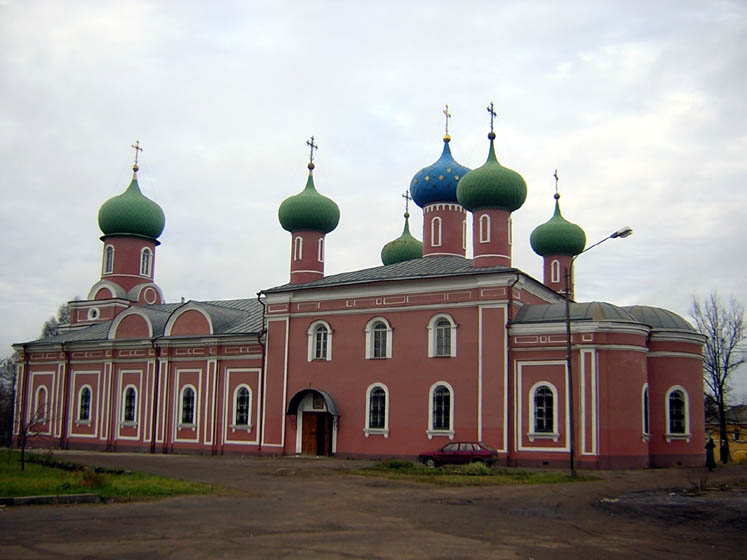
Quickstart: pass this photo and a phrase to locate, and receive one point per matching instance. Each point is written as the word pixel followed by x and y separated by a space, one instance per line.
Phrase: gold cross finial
pixel 407 198
pixel 137 147
pixel 493 114
pixel 448 116
pixel 312 146
pixel 556 181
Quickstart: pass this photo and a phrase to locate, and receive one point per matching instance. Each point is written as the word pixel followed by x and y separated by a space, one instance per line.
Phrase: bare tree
pixel 723 326
pixel 52 325
pixel 7 398
pixel 28 428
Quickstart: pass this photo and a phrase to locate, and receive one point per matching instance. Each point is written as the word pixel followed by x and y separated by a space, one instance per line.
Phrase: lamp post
pixel 621 233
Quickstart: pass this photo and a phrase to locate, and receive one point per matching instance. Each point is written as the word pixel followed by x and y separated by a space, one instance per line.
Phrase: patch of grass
pixel 45 478
pixel 472 474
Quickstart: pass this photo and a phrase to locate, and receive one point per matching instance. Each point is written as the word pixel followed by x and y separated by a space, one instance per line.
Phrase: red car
pixel 459 452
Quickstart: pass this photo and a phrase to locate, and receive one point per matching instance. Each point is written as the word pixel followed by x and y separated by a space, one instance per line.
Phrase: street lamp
pixel 621 233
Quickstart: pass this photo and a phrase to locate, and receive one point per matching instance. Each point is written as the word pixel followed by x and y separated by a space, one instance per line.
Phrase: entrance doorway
pixel 316 437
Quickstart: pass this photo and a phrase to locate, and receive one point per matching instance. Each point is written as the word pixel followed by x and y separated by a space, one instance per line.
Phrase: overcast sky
pixel 639 105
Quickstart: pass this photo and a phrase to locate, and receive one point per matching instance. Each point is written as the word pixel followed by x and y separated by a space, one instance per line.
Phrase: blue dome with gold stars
pixel 438 182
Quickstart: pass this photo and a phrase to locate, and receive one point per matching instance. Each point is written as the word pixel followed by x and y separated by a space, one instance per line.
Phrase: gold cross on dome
pixel 493 114
pixel 407 198
pixel 137 147
pixel 448 116
pixel 312 146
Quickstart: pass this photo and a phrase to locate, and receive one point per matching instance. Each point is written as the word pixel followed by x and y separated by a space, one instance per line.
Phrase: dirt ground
pixel 309 508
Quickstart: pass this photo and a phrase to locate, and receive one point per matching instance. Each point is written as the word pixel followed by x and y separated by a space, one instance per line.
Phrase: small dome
pixel 404 248
pixel 492 186
pixel 558 236
pixel 309 210
pixel 132 213
pixel 438 182
pixel 658 318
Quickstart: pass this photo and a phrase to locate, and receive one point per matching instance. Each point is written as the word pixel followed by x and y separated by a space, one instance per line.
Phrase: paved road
pixel 308 508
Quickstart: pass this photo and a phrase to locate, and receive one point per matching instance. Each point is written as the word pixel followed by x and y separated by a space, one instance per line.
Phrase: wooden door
pixel 310 433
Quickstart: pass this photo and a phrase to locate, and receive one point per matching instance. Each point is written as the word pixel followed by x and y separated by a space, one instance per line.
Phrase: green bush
pixel 478 468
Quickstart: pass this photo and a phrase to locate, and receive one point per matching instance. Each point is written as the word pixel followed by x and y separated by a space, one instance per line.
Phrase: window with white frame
pixel 319 336
pixel 543 412
pixel 441 336
pixel 378 338
pixel 510 230
pixel 242 406
pixel 40 405
pixel 146 258
pixel 677 411
pixel 377 410
pixel 130 403
pixel 188 406
pixel 464 234
pixel 555 271
pixel 644 411
pixel 436 231
pixel 485 228
pixel 441 410
pixel 108 259
pixel 320 250
pixel 84 404
pixel 297 248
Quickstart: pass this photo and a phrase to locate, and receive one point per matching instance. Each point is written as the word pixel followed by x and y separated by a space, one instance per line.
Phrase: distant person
pixel 710 458
pixel 724 451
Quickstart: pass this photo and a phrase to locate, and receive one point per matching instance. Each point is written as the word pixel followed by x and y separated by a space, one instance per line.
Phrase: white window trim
pixel 436 231
pixel 464 234
pixel 669 436
pixel 432 335
pixel 320 250
pixel 234 426
pixel 370 338
pixel 104 269
pixel 133 422
pixel 368 431
pixel 43 419
pixel 78 420
pixel 510 231
pixel 555 271
pixel 311 351
pixel 430 432
pixel 195 406
pixel 485 228
pixel 298 248
pixel 645 413
pixel 146 271
pixel 531 434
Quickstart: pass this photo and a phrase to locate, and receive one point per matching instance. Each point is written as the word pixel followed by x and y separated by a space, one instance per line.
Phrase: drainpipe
pixel 509 376
pixel 262 333
pixel 154 403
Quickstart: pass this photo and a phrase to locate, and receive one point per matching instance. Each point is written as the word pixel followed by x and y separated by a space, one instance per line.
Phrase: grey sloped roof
pixel 658 318
pixel 591 311
pixel 235 316
pixel 425 267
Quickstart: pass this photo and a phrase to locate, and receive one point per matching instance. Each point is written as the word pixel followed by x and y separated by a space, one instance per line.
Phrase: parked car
pixel 459 452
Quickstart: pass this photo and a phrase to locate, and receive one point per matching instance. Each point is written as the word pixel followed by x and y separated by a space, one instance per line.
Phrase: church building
pixel 392 361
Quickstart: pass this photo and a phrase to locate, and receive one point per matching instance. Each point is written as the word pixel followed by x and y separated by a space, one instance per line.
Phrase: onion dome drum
pixel 438 182
pixel 558 236
pixel 309 210
pixel 492 186
pixel 132 213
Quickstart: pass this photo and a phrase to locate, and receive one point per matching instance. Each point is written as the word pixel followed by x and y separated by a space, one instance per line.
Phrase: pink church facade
pixel 389 361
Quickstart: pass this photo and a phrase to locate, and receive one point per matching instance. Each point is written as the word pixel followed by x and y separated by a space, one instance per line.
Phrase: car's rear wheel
pixel 430 462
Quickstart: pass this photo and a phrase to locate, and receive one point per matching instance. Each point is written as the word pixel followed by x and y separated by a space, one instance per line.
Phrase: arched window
pixel 543 410
pixel 464 234
pixel 188 406
pixel 378 338
pixel 319 341
pixel 320 252
pixel 130 400
pixel 39 414
pixel 441 410
pixel 677 412
pixel 297 248
pixel 485 228
pixel 376 408
pixel 146 257
pixel 84 404
pixel 644 411
pixel 108 259
pixel 555 271
pixel 442 336
pixel 436 232
pixel 242 409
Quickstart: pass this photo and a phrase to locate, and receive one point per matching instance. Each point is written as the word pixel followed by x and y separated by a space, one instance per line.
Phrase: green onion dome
pixel 404 248
pixel 132 213
pixel 558 236
pixel 492 186
pixel 309 210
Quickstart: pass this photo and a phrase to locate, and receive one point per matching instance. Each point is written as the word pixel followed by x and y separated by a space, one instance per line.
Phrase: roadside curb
pixel 61 499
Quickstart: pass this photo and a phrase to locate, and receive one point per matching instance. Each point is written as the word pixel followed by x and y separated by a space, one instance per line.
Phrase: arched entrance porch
pixel 316 422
